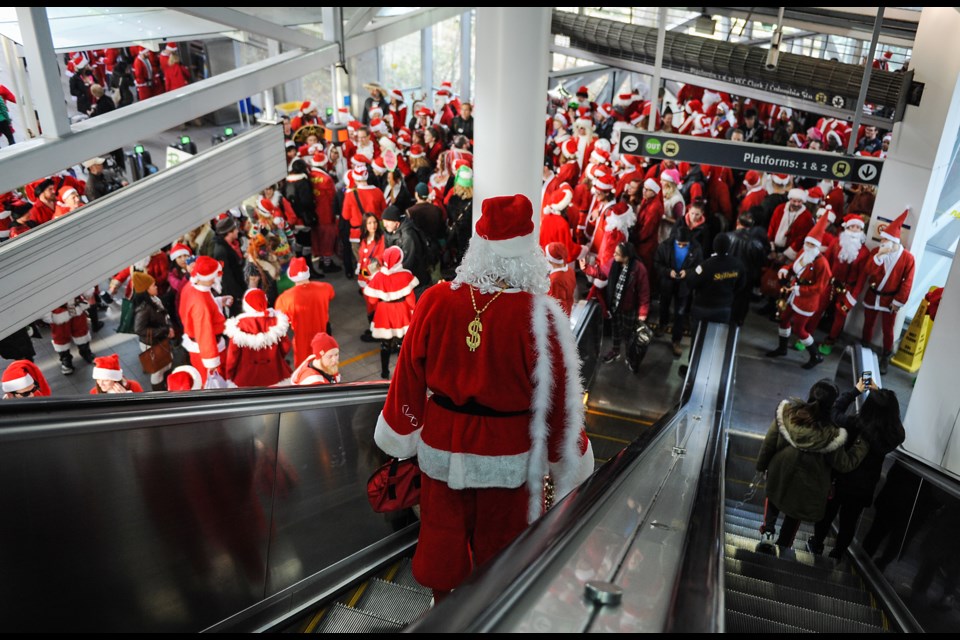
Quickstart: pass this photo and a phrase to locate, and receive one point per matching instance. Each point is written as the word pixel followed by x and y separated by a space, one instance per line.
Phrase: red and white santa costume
pixel 146 72
pixel 647 230
pixel 501 416
pixel 568 172
pixel 810 274
pixel 585 137
pixel 307 115
pixel 323 235
pixel 847 258
pixel 592 220
pixel 70 324
pixel 366 252
pixel 21 376
pixel 563 281
pixel 620 218
pixel 887 281
pixel 370 199
pixel 108 368
pixel 307 306
pixel 553 226
pixel 184 378
pixel 258 344
pixel 308 373
pixel 202 317
pixel 788 226
pixel 392 289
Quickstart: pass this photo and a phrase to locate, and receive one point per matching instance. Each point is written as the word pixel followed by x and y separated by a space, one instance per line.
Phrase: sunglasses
pixel 26 392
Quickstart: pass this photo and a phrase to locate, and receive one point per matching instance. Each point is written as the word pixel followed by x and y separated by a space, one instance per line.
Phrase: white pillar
pixel 512 66
pixel 466 62
pixel 46 88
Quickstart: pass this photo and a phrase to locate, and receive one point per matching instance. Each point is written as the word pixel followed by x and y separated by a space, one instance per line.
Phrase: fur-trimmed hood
pixel 808 436
pixel 257 331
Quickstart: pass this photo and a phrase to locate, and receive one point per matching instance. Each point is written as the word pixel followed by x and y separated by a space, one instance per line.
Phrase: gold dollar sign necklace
pixel 475 327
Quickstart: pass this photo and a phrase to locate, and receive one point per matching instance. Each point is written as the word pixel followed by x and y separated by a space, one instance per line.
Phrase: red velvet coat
pixel 257 349
pixel 809 286
pixel 846 274
pixel 795 233
pixel 203 323
pixel 884 288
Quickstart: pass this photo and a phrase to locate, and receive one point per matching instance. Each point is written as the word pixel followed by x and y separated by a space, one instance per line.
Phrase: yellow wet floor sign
pixel 910 353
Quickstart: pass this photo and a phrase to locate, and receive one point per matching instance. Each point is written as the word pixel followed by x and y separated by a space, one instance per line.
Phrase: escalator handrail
pixel 697 602
pixel 479 604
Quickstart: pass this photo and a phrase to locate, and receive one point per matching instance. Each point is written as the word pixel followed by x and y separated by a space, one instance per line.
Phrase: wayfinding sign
pixel 745 155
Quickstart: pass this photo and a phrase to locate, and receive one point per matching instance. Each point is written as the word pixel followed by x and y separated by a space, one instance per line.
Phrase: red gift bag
pixel 395 485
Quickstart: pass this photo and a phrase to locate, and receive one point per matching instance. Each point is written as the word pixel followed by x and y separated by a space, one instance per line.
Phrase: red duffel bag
pixel 395 485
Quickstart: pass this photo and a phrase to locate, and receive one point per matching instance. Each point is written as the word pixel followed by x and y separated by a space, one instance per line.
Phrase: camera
pixel 867 378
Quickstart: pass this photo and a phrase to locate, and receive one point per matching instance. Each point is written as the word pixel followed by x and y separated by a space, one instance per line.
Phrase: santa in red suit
pixel 755 194
pixel 70 324
pixel 590 229
pixel 847 257
pixel 506 407
pixel 202 316
pixel 146 72
pixel 323 235
pixel 620 218
pixel 554 227
pixel 887 280
pixel 563 281
pixel 365 198
pixel 322 366
pixel 586 138
pixel 258 344
pixel 569 171
pixel 391 291
pixel 789 225
pixel 306 305
pixel 809 276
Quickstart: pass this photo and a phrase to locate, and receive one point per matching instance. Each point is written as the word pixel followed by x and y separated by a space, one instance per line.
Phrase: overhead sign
pixel 745 155
pixel 769 86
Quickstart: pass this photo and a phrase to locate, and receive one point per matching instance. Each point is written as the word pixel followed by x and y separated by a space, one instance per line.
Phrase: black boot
pixel 66 363
pixel 885 361
pixel 385 359
pixel 95 323
pixel 86 353
pixel 159 387
pixel 781 349
pixel 815 356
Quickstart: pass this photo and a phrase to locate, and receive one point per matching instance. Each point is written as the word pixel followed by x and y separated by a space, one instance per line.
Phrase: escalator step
pixel 738 622
pixel 800 555
pixel 796 568
pixel 405 577
pixel 794 581
pixel 746 529
pixel 343 619
pixel 793 615
pixel 392 601
pixel 747 506
pixel 805 599
pixel 805 527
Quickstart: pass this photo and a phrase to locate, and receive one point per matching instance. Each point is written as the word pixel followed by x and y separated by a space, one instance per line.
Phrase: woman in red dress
pixel 369 258
pixel 391 290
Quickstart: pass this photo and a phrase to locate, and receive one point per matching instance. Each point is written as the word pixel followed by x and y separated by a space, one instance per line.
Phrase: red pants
pixel 790 319
pixel 814 320
pixel 460 530
pixel 323 240
pixel 66 329
pixel 887 319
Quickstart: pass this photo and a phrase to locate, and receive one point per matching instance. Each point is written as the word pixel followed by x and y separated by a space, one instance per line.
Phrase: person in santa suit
pixel 568 172
pixel 563 281
pixel 590 228
pixel 789 226
pixel 631 170
pixel 146 72
pixel 184 378
pixel 258 344
pixel 810 277
pixel 830 236
pixel 620 218
pixel 322 366
pixel 307 305
pixel 445 111
pixel 391 289
pixel 70 324
pixel 364 198
pixel 755 193
pixel 202 316
pixel 847 257
pixel 499 356
pixel 586 138
pixel 554 227
pixel 694 120
pixel 323 235
pixel 23 379
pixel 68 201
pixel 108 377
pixel 44 204
pixel 887 280
pixel 398 109
pixel 646 232
pixel 307 115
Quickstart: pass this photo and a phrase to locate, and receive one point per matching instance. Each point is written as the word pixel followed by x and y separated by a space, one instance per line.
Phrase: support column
pixel 512 67
pixel 466 62
pixel 45 85
pixel 426 65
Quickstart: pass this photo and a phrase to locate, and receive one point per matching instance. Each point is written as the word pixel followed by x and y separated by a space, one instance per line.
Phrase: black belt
pixel 474 408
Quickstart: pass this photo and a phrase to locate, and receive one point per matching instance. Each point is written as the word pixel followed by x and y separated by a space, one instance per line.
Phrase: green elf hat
pixel 464 177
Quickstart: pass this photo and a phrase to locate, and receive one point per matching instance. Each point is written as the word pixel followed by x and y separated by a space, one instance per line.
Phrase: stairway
pixel 774 590
pixel 384 604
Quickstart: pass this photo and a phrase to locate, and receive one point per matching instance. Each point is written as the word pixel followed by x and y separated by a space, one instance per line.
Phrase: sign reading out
pixel 745 155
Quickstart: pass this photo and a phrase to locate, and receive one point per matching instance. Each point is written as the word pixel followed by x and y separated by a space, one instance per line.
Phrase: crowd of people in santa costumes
pixel 501 362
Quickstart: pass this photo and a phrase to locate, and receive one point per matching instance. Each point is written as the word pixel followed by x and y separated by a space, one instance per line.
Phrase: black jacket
pixel 299 192
pixel 663 263
pixel 462 127
pixel 714 284
pixel 408 238
pixel 234 283
pixel 749 249
pixel 151 322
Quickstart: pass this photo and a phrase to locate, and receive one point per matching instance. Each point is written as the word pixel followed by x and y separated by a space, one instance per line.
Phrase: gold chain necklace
pixel 475 327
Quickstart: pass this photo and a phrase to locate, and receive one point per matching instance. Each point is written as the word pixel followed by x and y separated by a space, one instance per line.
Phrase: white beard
pixel 804 259
pixel 850 243
pixel 217 286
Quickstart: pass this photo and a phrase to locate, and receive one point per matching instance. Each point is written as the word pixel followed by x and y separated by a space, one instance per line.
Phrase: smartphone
pixel 867 378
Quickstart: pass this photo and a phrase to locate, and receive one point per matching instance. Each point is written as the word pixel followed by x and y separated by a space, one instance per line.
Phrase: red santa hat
pixel 506 224
pixel 446 88
pixel 828 212
pixel 781 179
pixel 404 138
pixel 606 109
pixel 798 139
pixel 562 118
pixel 797 194
pixel 556 253
pixel 185 378
pixel 814 194
pixel 318 159
pixel 266 207
pixel 65 193
pixel 636 117
pixel 603 178
pixel 21 375
pixel 694 106
pixel 379 167
pixel 560 199
pixel 107 368
pixel 416 151
pixel 79 61
pixel 377 125
pixel 307 107
pixel 583 91
pixel 354 125
pixel 600 156
pixel 375 113
pixel 359 174
pixel 322 343
pixel 853 220
pixel 892 231
pixel 205 267
pixel 670 175
pixel 887 55
pixel 651 184
pixel 752 178
pixel 815 236
pixel 392 257
pixel 171 47
pixel 360 160
pixel 298 271
pixel 423 111
pixel 623 99
pixel 396 94
pixel 178 250
pixel 255 301
pixel 630 162
pixel 569 148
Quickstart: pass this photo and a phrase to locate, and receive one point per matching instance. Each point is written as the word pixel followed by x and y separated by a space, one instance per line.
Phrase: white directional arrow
pixel 867 172
pixel 630 144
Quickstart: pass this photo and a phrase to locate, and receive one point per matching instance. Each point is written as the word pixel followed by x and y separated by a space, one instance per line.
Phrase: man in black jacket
pixel 400 231
pixel 750 249
pixel 226 249
pixel 715 283
pixel 675 260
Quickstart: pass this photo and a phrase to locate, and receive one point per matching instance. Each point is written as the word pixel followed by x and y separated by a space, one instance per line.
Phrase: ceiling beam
pixel 244 22
pixel 406 25
pixel 360 20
